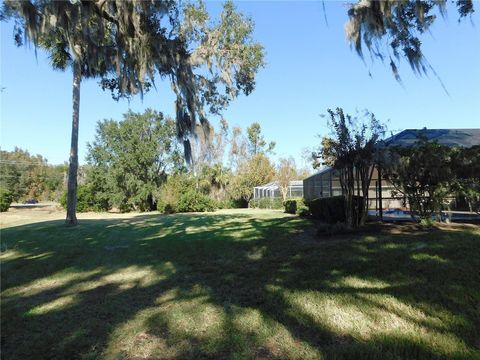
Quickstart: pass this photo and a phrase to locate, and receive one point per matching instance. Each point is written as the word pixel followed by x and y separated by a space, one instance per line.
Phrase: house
pixel 272 190
pixel 326 182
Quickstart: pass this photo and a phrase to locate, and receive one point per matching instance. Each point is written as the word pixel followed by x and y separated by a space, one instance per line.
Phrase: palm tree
pixel 73 38
pixel 87 38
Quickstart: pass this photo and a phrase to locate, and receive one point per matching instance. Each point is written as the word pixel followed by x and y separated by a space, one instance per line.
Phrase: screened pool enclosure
pixel 272 190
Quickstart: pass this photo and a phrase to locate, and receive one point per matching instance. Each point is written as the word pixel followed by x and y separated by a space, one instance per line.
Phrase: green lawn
pixel 235 285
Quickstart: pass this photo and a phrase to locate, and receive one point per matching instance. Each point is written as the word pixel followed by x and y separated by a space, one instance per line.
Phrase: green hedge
pixel 296 206
pixel 5 199
pixel 195 201
pixel 331 209
pixel 266 203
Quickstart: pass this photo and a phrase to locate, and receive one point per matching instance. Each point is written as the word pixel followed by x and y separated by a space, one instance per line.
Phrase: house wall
pixel 324 184
pixel 327 183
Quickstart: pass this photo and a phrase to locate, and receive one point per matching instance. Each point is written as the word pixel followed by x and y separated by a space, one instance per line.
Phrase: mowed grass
pixel 237 285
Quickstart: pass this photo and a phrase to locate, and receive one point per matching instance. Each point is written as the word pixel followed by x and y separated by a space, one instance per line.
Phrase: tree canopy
pixel 130 159
pixel 258 170
pixel 352 151
pixel 428 173
pixel 256 141
pixel 286 172
pixel 30 176
pixel 128 43
pixel 392 29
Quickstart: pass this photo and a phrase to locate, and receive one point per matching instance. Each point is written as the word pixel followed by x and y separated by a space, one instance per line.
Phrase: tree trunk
pixel 73 166
pixel 349 187
pixel 366 179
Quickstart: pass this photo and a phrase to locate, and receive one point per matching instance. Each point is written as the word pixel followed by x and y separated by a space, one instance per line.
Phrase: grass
pixel 236 285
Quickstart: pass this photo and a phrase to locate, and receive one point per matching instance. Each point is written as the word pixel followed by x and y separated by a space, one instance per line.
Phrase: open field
pixel 232 285
pixel 20 214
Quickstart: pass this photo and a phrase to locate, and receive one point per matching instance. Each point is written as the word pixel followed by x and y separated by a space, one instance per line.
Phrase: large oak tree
pixel 129 43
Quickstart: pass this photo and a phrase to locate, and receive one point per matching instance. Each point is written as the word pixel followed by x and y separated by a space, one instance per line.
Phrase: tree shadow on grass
pixel 223 286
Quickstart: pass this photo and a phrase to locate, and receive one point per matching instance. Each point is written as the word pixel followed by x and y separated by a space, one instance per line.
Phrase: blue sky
pixel 310 67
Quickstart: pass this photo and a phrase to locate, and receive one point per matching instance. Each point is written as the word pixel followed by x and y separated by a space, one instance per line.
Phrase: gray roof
pixel 448 137
pixel 324 170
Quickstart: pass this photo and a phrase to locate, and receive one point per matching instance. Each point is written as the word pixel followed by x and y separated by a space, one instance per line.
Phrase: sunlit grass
pixel 236 284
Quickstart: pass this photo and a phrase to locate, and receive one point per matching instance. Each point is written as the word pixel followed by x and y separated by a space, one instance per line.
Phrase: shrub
pixel 87 200
pixel 195 201
pixel 303 210
pixel 290 206
pixel 230 204
pixel 296 206
pixel 331 209
pixel 169 194
pixel 167 209
pixel 266 203
pixel 6 199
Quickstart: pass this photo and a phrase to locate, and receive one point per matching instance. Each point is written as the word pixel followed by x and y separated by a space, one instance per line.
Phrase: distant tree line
pixel 25 176
pixel 138 164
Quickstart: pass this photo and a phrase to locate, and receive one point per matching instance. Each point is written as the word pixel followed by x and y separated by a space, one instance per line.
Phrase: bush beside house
pixel 332 209
pixel 266 203
pixel 296 206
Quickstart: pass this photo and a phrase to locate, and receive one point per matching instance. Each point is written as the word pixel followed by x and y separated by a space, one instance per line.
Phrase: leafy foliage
pixel 208 152
pixel 256 141
pixel 230 203
pixel 296 206
pixel 179 194
pixel 466 168
pixel 290 206
pixel 88 199
pixel 208 149
pixel 5 199
pixel 30 176
pixel 195 201
pixel 266 203
pixel 286 172
pixel 226 49
pixel 251 166
pixel 420 173
pixel 214 181
pixel 254 172
pixel 128 43
pixel 168 195
pixel 130 159
pixel 427 173
pixel 352 150
pixel 333 209
pixel 238 153
pixel 133 40
pixel 398 26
